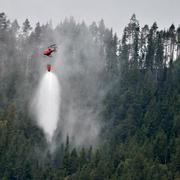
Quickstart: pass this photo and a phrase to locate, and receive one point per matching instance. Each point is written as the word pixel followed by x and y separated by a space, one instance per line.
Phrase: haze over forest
pixel 120 100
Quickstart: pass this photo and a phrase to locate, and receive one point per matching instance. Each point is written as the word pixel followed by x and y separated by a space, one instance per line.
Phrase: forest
pixel 130 85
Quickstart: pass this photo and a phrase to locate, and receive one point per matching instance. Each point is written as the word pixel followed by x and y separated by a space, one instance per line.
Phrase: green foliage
pixel 140 137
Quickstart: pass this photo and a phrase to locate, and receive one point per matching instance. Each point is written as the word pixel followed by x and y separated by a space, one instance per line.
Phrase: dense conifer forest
pixel 139 108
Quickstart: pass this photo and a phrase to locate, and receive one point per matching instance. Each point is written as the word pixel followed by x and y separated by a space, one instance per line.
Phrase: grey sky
pixel 116 13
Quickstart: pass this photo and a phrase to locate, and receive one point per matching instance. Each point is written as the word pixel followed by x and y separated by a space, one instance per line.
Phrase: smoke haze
pixel 79 66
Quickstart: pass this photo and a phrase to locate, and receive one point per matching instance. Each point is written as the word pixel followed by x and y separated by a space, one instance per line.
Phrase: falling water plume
pixel 46 104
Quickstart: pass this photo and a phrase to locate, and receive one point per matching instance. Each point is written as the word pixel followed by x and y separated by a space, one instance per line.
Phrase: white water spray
pixel 46 104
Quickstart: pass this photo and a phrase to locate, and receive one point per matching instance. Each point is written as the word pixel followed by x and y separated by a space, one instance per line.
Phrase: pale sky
pixel 116 13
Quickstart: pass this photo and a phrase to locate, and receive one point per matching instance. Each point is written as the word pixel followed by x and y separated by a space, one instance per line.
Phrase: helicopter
pixel 48 52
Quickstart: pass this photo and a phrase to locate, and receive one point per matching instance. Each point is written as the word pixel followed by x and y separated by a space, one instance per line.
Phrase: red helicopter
pixel 48 52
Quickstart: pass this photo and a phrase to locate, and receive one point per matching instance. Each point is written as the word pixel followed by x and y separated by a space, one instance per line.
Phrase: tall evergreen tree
pixel 172 38
pixel 143 46
pixel 159 55
pixel 149 62
pixel 124 53
pixel 178 42
pixel 111 55
pixel 133 37
pixel 26 28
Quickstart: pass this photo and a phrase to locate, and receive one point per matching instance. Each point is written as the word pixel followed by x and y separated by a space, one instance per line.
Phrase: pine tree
pixel 172 38
pixel 161 147
pixel 101 29
pixel 111 55
pixel 94 30
pixel 15 27
pixel 36 36
pixel 149 62
pixel 124 53
pixel 159 56
pixel 4 23
pixel 26 28
pixel 4 26
pixel 178 42
pixel 66 158
pixel 143 46
pixel 73 162
pixel 37 32
pixel 133 38
pixel 82 158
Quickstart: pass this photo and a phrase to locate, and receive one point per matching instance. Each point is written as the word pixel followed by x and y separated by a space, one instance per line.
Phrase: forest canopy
pixel 138 109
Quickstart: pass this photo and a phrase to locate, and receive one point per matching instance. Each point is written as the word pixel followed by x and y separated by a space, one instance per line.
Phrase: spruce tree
pixel 149 62
pixel 26 28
